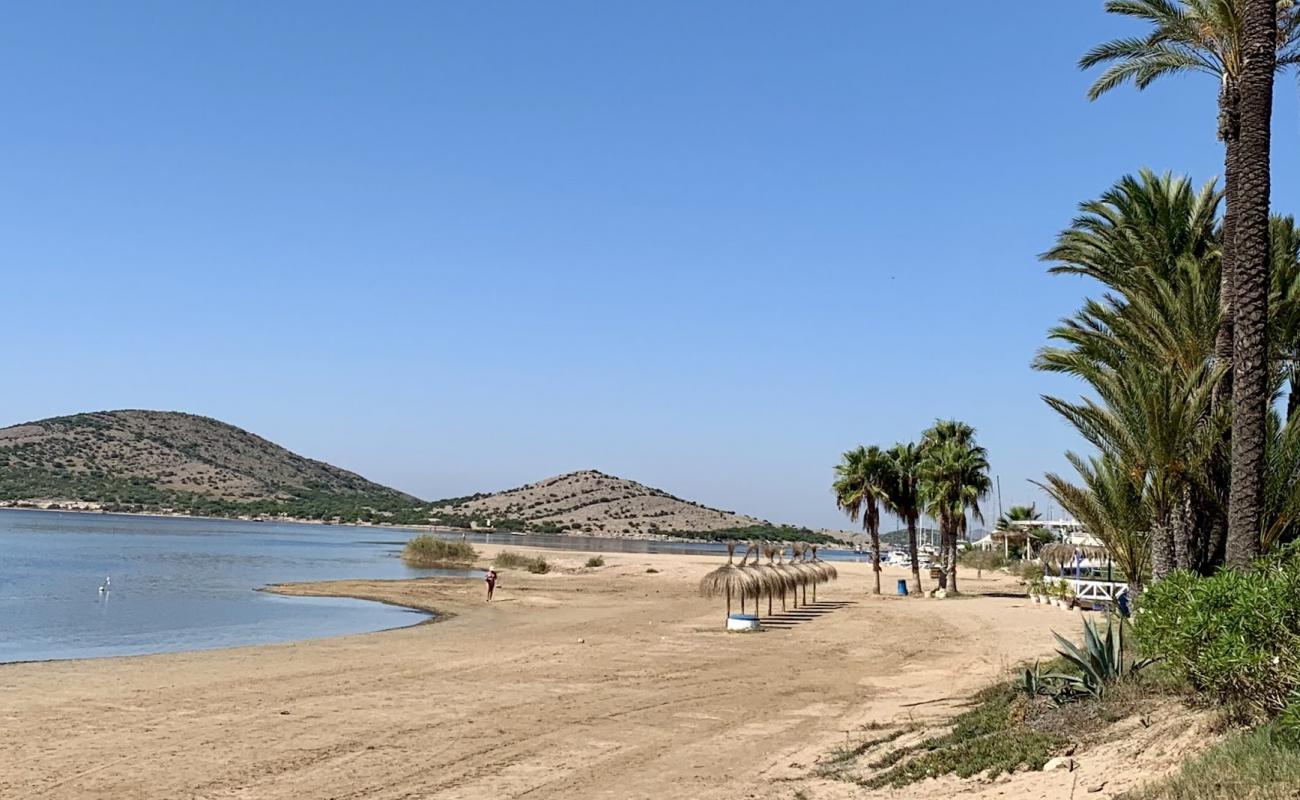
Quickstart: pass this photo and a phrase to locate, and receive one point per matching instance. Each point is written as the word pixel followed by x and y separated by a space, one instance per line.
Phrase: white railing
pixel 1090 589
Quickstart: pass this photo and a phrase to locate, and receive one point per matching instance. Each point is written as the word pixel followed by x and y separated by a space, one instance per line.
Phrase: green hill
pixel 169 461
pixel 166 461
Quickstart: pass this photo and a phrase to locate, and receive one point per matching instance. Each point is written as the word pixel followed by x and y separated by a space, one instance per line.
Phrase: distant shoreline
pixel 381 526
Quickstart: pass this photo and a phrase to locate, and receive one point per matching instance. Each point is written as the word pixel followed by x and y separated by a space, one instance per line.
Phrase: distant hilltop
pixel 170 462
pixel 588 501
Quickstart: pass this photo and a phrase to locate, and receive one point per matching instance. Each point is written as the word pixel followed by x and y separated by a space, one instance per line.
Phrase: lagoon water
pixel 181 584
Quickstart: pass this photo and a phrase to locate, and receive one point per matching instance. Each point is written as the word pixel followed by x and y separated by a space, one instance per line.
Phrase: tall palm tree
pixel 954 478
pixel 902 495
pixel 859 487
pixel 1202 36
pixel 1250 357
pixel 1147 350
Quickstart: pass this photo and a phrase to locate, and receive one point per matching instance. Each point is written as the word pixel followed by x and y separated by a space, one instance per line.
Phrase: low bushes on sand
pixel 1234 635
pixel 1259 764
pixel 595 561
pixel 508 559
pixel 430 551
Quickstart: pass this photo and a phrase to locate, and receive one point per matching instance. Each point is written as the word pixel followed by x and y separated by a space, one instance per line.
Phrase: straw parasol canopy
pixel 785 579
pixel 794 577
pixel 827 567
pixel 1062 553
pixel 765 581
pixel 729 579
pixel 810 575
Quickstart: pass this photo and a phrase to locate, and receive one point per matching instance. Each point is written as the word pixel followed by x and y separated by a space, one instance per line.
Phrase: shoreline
pixel 615 681
pixel 839 545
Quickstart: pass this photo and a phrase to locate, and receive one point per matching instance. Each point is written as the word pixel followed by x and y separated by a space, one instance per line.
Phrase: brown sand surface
pixel 607 683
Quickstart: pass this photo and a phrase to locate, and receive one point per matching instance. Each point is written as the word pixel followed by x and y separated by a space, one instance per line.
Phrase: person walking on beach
pixel 490 578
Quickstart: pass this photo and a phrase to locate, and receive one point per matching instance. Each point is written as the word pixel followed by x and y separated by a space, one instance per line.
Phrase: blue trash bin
pixel 902 587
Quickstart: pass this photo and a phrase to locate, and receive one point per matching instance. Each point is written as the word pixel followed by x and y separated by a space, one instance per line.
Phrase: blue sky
pixel 462 246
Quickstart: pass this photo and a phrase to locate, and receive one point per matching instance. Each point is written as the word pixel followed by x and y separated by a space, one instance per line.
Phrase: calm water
pixel 180 584
pixel 189 584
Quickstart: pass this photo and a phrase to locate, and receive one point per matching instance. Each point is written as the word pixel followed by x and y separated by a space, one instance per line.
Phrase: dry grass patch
pixel 430 551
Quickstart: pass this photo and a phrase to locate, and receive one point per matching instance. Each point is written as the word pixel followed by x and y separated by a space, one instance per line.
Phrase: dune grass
pixel 1259 764
pixel 508 559
pixel 430 551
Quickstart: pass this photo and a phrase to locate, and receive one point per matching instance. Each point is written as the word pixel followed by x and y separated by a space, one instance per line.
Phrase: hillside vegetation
pixel 592 502
pixel 162 460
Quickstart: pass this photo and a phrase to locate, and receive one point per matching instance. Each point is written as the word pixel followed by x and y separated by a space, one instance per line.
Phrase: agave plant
pixel 1101 661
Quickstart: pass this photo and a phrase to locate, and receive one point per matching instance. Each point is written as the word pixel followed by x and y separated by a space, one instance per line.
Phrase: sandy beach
pixel 616 682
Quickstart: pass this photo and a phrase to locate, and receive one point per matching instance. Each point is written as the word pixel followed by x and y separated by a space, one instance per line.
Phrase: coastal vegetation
pixel 431 551
pixel 1189 355
pixel 509 559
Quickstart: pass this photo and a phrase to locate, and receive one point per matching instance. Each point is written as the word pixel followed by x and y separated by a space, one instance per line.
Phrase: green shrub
pixel 1234 635
pixel 986 738
pixel 596 561
pixel 508 559
pixel 1030 570
pixel 980 559
pixel 430 551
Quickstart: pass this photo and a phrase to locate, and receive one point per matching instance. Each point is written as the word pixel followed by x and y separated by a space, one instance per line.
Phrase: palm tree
pixel 1147 349
pixel 859 486
pixel 954 478
pixel 1284 305
pixel 1110 504
pixel 1207 37
pixel 1016 514
pixel 902 496
pixel 1250 356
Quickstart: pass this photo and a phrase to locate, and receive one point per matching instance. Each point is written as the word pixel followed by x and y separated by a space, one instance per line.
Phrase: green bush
pixel 980 559
pixel 1234 635
pixel 508 559
pixel 430 551
pixel 596 561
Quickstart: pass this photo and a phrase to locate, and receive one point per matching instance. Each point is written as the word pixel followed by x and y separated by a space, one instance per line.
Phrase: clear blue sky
pixel 458 246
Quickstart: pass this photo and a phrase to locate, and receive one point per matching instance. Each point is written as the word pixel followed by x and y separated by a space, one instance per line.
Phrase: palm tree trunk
pixel 1229 134
pixel 1183 532
pixel 944 525
pixel 952 556
pixel 912 545
pixel 874 530
pixel 1162 548
pixel 1251 282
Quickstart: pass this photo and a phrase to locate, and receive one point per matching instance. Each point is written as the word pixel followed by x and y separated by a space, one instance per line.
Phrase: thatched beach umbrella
pixel 728 579
pixel 781 580
pixel 827 572
pixel 1062 553
pixel 831 572
pixel 768 582
pixel 790 577
pixel 808 573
